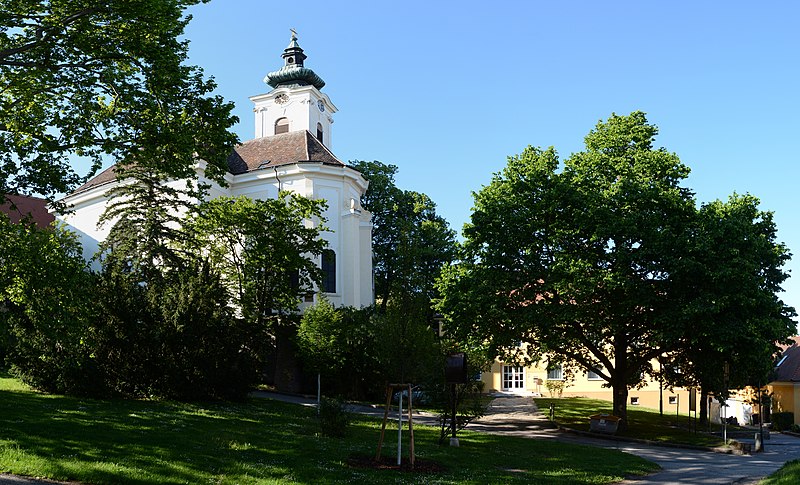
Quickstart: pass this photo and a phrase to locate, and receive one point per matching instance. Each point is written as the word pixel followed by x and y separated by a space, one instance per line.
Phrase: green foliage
pixel 174 337
pixel 264 250
pixel 599 263
pixel 407 347
pixel 45 306
pixel 555 388
pixel 471 404
pixel 147 212
pixel 333 417
pixel 782 421
pixel 731 278
pixel 410 242
pixel 321 338
pixel 88 80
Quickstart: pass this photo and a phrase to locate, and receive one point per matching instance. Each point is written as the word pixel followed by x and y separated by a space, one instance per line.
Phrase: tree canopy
pixel 86 80
pixel 585 262
pixel 410 241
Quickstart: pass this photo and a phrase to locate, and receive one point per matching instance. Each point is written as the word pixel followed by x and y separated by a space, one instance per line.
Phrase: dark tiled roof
pixel 789 370
pixel 283 149
pixel 270 151
pixel 103 177
pixel 24 205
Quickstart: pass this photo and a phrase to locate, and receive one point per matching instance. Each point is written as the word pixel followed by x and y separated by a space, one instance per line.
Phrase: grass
pixel 643 423
pixel 789 474
pixel 259 441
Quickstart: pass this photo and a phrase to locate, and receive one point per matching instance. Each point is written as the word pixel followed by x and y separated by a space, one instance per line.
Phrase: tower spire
pixel 293 71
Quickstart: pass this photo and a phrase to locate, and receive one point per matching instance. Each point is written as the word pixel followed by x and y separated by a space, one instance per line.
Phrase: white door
pixel 513 378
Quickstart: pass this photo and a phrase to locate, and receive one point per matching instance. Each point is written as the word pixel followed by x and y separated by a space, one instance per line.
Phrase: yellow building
pixel 785 389
pixel 533 381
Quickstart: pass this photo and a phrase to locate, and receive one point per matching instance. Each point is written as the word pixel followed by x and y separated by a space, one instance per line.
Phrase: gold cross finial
pixel 294 34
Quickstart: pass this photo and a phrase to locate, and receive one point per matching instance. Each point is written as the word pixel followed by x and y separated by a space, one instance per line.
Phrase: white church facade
pixel 290 151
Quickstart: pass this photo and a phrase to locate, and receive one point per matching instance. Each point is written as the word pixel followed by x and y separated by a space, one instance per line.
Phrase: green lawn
pixel 644 423
pixel 789 474
pixel 258 441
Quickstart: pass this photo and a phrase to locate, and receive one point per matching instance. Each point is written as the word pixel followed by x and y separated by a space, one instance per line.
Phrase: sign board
pixel 456 369
pixel 693 399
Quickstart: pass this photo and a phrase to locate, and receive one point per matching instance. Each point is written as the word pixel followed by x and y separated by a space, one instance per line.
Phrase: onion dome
pixel 293 72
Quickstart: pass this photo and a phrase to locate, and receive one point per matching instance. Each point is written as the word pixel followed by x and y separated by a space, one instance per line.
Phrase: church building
pixel 291 151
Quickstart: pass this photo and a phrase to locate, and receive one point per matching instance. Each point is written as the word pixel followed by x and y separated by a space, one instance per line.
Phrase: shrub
pixel 333 417
pixel 555 388
pixel 782 421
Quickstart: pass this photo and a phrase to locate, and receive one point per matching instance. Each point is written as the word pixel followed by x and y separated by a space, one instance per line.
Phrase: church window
pixel 328 271
pixel 319 133
pixel 282 126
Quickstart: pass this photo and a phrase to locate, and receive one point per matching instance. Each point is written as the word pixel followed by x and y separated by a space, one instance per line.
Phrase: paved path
pixel 518 416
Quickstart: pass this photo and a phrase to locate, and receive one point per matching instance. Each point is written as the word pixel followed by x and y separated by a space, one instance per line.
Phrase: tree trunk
pixel 703 407
pixel 287 367
pixel 619 381
pixel 620 389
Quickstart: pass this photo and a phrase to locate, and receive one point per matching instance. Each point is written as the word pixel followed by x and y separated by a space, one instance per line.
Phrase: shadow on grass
pixel 643 423
pixel 259 441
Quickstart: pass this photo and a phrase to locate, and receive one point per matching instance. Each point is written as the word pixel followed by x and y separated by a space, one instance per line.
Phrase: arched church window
pixel 282 126
pixel 328 271
pixel 319 133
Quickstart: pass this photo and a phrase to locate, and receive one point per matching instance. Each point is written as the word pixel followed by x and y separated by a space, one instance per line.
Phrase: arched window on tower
pixel 282 126
pixel 319 133
pixel 328 271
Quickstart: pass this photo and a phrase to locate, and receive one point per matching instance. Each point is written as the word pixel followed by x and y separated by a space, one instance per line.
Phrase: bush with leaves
pixel 45 307
pixel 333 417
pixel 173 337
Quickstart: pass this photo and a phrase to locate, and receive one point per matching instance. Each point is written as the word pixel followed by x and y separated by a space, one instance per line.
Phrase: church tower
pixel 296 102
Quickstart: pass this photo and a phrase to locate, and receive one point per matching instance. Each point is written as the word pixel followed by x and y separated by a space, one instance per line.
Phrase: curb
pixel 664 444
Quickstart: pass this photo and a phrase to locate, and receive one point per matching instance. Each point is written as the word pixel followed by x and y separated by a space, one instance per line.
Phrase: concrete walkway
pixel 519 416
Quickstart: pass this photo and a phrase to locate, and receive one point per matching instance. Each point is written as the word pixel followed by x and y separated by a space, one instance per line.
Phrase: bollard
pixel 759 447
pixel 552 412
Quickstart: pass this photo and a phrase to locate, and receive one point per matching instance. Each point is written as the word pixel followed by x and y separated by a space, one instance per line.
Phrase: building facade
pixel 291 151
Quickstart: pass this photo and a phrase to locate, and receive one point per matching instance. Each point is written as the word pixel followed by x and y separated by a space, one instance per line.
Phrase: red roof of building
pixel 19 206
pixel 788 368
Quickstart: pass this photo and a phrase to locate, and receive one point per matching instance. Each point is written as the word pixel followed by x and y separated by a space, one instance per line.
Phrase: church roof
pixel 102 178
pixel 270 151
pixel 283 149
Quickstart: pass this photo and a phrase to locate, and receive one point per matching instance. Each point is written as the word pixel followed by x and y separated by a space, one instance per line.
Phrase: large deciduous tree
pixel 578 261
pixel 410 241
pixel 732 277
pixel 266 251
pixel 93 79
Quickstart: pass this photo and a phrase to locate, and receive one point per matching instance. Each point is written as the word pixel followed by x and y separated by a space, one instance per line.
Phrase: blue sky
pixel 447 90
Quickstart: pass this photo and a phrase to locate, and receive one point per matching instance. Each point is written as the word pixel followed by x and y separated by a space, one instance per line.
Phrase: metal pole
pixel 319 391
pixel 761 416
pixel 725 423
pixel 453 439
pixel 660 388
pixel 400 429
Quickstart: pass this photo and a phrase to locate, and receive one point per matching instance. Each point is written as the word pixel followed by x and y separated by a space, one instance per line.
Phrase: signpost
pixel 455 373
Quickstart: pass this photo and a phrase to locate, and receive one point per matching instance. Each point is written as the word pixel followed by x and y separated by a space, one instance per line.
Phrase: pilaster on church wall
pixel 367 284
